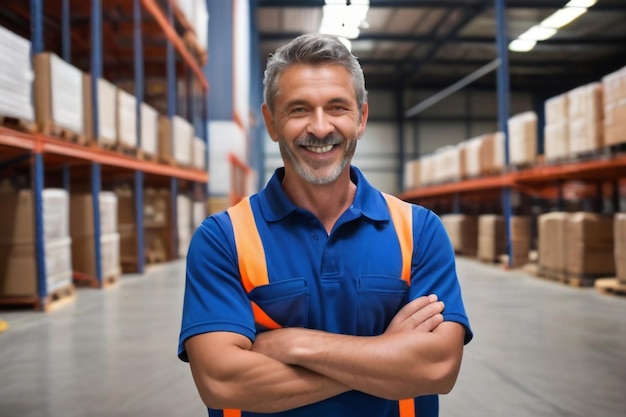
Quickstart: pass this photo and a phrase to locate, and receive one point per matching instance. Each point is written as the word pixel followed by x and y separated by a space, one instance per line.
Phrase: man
pixel 297 301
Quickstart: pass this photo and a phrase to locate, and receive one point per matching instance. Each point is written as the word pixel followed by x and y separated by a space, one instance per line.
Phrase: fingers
pixel 423 314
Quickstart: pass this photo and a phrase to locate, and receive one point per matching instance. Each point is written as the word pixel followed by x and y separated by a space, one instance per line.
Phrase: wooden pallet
pixel 611 286
pixel 18 124
pixel 120 148
pixel 83 280
pixel 52 301
pixel 50 129
pixel 557 276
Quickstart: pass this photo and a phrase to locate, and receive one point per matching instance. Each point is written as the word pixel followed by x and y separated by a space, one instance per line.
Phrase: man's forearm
pixel 395 366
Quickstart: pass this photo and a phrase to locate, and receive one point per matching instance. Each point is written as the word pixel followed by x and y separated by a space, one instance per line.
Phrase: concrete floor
pixel 540 349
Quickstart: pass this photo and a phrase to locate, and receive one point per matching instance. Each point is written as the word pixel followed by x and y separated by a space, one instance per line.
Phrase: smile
pixel 319 149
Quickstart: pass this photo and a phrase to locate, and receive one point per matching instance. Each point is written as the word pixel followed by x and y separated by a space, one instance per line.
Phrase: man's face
pixel 316 121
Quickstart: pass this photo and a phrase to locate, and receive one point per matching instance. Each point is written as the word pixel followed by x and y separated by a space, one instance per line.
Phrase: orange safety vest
pixel 253 267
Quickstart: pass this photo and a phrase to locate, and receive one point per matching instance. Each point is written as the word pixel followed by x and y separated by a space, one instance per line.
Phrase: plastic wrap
pixel 149 129
pixel 126 125
pixel 16 76
pixel 183 135
pixel 199 153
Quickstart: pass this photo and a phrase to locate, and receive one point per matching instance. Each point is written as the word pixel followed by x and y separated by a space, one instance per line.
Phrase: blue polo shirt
pixel 348 281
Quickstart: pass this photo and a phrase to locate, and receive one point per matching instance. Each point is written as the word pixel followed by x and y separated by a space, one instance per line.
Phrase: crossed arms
pixel 418 354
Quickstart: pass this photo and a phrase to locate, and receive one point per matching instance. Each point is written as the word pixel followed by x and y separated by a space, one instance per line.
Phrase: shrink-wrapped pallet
pixel 183 133
pixel 556 129
pixel 463 232
pixel 198 153
pixel 551 242
pixel 106 110
pixel 521 240
pixel 198 213
pixel 18 267
pixel 157 217
pixel 185 224
pixel 82 214
pixel 17 215
pixel 426 169
pixel 472 157
pixel 446 164
pixel 165 139
pixel 18 272
pixel 620 246
pixel 16 77
pixel 83 253
pixel 492 154
pixel 126 119
pixel 523 139
pixel 412 174
pixel 590 245
pixel 491 237
pixel 197 16
pixel 586 113
pixel 614 87
pixel 58 94
pixel 149 130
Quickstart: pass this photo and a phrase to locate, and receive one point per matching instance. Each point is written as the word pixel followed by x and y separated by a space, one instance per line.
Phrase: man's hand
pixel 422 314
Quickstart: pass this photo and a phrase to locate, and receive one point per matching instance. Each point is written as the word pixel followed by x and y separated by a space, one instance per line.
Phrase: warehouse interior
pixel 125 123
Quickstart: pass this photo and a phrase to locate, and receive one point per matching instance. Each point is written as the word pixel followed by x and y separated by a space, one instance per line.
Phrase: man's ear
pixel 362 120
pixel 269 122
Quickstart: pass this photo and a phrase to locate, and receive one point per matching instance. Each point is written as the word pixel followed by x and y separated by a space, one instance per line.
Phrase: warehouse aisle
pixel 540 349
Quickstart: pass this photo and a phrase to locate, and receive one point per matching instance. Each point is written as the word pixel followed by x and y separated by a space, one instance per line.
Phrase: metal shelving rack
pixel 36 149
pixel 541 181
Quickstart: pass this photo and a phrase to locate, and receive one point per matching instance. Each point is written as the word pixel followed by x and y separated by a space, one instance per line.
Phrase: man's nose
pixel 320 124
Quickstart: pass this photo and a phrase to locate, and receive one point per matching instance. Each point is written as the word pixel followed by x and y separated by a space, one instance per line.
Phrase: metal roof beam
pixel 615 5
pixel 604 40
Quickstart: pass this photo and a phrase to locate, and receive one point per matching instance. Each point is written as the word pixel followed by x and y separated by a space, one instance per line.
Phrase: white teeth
pixel 319 149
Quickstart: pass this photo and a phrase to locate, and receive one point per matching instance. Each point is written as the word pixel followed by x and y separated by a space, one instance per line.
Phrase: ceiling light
pixel 581 3
pixel 538 33
pixel 522 45
pixel 562 17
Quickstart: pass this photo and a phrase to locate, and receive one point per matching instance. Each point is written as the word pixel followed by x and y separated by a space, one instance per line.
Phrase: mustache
pixel 312 140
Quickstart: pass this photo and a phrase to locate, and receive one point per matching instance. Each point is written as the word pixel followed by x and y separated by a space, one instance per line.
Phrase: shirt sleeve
pixel 214 298
pixel 434 267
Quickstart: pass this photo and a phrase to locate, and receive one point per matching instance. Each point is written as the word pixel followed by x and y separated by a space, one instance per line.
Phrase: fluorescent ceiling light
pixel 342 20
pixel 538 33
pixel 581 3
pixel 522 45
pixel 562 17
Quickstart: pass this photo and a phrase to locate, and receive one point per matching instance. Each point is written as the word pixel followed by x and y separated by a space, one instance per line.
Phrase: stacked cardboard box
pixel 492 154
pixel 58 94
pixel 106 110
pixel 126 119
pixel 149 130
pixel 126 227
pixel 157 228
pixel 411 174
pixel 463 232
pixel 620 246
pixel 185 223
pixel 586 114
pixel 556 129
pixel 198 213
pixel 523 139
pixel 614 86
pixel 198 153
pixel 17 75
pixel 18 266
pixel 491 237
pixel 521 240
pixel 551 246
pixel 183 132
pixel 165 140
pixel 590 246
pixel 472 158
pixel 82 230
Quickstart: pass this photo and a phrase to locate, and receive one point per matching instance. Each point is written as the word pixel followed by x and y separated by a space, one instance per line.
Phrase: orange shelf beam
pixel 535 180
pixel 153 8
pixel 102 156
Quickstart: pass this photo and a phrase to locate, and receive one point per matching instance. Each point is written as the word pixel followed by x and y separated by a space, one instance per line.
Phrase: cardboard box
pixel 620 246
pixel 106 110
pixel 149 130
pixel 557 109
pixel 556 141
pixel 615 123
pixel 183 132
pixel 18 267
pixel 491 237
pixel 463 232
pixel 523 138
pixel 83 254
pixel 614 86
pixel 82 219
pixel 126 119
pixel 165 139
pixel 58 94
pixel 17 221
pixel 551 241
pixel 590 244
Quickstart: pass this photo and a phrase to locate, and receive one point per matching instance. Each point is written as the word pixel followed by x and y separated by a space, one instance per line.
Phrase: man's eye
pixel 298 110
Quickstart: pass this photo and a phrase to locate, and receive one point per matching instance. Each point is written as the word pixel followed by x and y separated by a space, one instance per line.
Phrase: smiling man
pixel 320 295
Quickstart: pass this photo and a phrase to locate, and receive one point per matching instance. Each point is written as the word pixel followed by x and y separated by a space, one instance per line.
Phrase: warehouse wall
pixel 461 116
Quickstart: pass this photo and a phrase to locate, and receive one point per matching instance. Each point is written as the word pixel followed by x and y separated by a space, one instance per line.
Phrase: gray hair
pixel 313 49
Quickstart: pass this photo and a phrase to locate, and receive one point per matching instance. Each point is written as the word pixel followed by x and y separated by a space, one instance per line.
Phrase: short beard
pixel 309 175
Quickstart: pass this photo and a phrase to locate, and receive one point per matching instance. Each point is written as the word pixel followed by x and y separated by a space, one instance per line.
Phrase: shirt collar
pixel 275 205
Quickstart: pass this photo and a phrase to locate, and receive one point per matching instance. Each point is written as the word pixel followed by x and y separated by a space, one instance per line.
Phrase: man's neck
pixel 327 202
